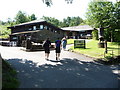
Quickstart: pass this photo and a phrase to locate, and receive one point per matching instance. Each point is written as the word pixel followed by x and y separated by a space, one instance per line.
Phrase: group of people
pixel 58 45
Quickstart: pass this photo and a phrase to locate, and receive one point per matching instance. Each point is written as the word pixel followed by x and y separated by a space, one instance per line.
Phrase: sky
pixel 59 10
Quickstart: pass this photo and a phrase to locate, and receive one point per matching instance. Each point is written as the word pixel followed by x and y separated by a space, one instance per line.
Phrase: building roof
pixel 78 28
pixel 32 23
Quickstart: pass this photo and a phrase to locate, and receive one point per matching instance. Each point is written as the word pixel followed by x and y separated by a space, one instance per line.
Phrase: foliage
pixel 51 20
pixel 4 32
pixel 72 21
pixel 106 15
pixel 2 23
pixel 21 17
pixel 67 22
pixel 32 17
pixel 99 13
pixel 49 2
pixel 95 34
pixel 9 80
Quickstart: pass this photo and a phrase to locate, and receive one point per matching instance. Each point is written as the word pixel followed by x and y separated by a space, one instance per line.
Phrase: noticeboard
pixel 79 43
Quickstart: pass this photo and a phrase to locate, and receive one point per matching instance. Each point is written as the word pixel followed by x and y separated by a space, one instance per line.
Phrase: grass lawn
pixel 70 41
pixel 93 50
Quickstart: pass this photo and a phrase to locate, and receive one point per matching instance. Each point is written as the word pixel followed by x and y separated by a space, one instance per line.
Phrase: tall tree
pixel 32 17
pixel 99 13
pixel 53 21
pixel 104 14
pixel 21 17
pixel 72 21
pixel 117 14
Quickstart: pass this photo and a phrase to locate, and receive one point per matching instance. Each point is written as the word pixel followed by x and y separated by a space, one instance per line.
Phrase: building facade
pixel 37 30
pixel 78 32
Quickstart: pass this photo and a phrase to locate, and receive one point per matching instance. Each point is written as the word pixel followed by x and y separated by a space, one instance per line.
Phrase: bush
pixel 110 60
pixel 9 79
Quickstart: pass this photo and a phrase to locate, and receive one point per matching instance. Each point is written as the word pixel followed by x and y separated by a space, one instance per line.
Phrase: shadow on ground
pixel 67 73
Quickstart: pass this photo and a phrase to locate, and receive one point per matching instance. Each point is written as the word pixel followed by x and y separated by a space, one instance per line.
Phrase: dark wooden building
pixel 78 32
pixel 37 30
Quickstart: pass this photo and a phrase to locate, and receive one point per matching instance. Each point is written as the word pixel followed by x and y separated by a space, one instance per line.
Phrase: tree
pixel 105 15
pixel 21 17
pixel 117 14
pixel 4 32
pixel 49 2
pixel 2 23
pixel 99 13
pixel 67 22
pixel 32 17
pixel 95 34
pixel 51 20
pixel 72 21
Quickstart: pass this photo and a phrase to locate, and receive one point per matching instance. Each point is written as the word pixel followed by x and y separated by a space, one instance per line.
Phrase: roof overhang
pixel 28 23
pixel 25 32
pixel 78 28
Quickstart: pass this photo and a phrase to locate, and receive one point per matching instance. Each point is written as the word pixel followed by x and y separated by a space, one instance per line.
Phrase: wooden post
pixel 105 46
pixel 84 44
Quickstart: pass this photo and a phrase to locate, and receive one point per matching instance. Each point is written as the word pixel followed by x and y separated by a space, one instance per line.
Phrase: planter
pixel 101 45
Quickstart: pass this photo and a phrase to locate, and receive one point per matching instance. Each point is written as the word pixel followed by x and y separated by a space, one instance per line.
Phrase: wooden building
pixel 78 32
pixel 37 30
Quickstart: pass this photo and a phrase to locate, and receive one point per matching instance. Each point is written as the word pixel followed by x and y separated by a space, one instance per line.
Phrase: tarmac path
pixel 72 71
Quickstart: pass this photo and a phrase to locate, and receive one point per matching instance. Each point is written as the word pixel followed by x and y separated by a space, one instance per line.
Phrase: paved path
pixel 72 71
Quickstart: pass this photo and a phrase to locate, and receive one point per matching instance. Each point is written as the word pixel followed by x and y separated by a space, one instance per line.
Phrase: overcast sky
pixel 59 10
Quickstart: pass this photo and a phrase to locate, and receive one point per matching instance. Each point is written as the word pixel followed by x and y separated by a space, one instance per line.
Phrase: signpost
pixel 79 44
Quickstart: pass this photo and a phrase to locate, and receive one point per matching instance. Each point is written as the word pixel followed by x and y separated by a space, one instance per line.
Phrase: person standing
pixel 58 48
pixel 46 46
pixel 29 43
pixel 64 43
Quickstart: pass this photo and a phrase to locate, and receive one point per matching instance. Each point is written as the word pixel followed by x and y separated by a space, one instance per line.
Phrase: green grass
pixel 93 50
pixel 70 41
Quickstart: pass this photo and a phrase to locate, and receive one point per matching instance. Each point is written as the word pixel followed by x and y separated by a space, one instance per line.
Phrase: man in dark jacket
pixel 46 46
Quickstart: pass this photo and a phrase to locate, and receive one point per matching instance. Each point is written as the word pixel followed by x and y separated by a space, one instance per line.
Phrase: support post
pixel 105 43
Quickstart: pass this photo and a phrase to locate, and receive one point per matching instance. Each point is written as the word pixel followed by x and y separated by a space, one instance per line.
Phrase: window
pixel 41 27
pixel 45 27
pixel 55 31
pixel 34 27
pixel 14 38
pixel 30 29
